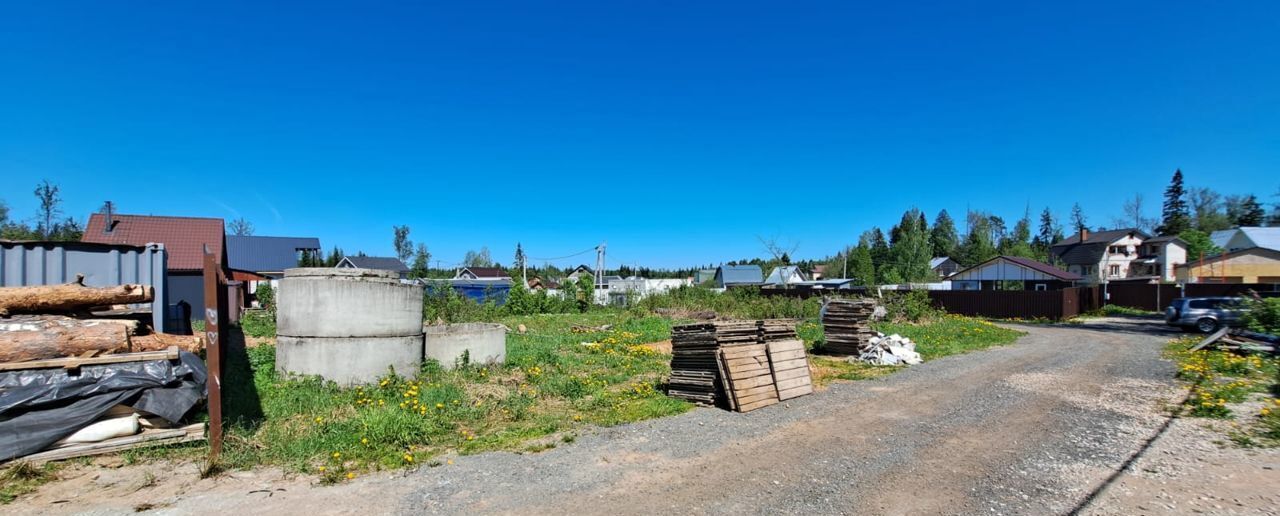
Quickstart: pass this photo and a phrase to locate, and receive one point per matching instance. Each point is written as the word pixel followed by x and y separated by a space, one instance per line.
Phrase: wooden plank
pixel 786 355
pixel 758 404
pixel 795 392
pixel 798 372
pixel 785 345
pixel 744 400
pixel 754 360
pixel 794 382
pixel 193 432
pixel 726 385
pixel 744 390
pixel 757 381
pixel 1210 339
pixel 790 364
pixel 74 362
pixel 739 353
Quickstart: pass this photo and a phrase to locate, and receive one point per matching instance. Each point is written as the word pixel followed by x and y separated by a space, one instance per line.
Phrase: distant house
pixel 383 263
pixel 1102 255
pixel 1255 264
pixel 786 275
pixel 537 283
pixel 1158 258
pixel 579 271
pixel 482 273
pixel 185 239
pixel 944 266
pixel 1002 272
pixel 1238 239
pixel 267 255
pixel 730 275
pixel 819 272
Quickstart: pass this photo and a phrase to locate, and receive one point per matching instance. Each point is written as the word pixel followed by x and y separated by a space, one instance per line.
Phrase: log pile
pixel 53 321
pixel 742 365
pixel 846 326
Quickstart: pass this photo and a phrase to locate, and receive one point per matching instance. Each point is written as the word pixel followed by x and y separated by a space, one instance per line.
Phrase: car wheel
pixel 1207 325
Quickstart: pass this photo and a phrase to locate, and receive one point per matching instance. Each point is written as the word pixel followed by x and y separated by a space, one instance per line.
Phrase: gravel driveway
pixel 1037 427
pixel 1032 428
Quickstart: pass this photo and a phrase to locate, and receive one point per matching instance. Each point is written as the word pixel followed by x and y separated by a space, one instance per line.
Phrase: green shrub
pixel 258 323
pixel 266 296
pixel 909 306
pixel 1263 315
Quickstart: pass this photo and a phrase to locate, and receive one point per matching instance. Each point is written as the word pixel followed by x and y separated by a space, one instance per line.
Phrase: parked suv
pixel 1205 314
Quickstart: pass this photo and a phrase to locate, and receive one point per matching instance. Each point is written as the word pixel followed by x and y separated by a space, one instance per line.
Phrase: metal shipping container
pixel 103 265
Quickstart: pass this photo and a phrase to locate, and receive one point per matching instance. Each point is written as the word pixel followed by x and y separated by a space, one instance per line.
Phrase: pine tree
pixel 1251 213
pixel 1176 219
pixel 1018 243
pixel 1045 237
pixel 943 237
pixel 1078 221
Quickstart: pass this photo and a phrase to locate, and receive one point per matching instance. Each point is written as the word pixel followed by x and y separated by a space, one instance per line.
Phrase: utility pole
pixel 600 263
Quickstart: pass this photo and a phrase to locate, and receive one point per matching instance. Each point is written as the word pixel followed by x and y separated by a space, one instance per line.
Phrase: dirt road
pixel 1039 427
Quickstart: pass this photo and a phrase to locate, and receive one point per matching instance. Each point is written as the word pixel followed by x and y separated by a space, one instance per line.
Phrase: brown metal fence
pixel 1011 304
pixel 1146 296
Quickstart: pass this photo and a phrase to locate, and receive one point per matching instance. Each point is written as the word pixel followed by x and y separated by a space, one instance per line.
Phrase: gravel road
pixel 1042 426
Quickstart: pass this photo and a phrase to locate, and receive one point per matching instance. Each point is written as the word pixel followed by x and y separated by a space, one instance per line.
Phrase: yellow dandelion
pixel 351 475
pixel 337 455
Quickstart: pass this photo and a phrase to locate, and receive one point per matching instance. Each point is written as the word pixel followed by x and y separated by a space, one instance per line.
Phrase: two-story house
pixel 1158 259
pixel 1101 255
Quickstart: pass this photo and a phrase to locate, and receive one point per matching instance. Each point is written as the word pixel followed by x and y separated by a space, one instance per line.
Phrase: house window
pixel 1042 286
pixel 1115 270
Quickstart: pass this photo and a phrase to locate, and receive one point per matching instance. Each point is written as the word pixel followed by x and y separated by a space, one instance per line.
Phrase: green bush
pixel 909 306
pixel 266 296
pixel 740 303
pixel 1263 315
pixel 258 323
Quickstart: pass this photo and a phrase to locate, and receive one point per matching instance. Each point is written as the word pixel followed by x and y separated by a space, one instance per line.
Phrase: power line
pixel 589 250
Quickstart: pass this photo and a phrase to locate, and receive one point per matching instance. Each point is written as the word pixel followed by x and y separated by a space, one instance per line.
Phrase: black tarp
pixel 40 406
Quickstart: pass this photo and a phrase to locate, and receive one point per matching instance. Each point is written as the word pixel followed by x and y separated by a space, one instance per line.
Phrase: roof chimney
pixel 1084 234
pixel 109 216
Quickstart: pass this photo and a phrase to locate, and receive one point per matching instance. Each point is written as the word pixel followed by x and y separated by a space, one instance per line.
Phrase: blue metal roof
pixel 266 253
pixel 386 263
pixel 739 274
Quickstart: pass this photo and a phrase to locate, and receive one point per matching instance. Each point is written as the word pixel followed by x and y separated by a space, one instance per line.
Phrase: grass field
pixel 1223 385
pixel 557 380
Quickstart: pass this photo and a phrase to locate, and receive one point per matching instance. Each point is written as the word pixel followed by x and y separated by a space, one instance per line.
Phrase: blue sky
pixel 677 131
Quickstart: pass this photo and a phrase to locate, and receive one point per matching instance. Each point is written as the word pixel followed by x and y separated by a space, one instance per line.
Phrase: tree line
pixel 903 255
pixel 47 223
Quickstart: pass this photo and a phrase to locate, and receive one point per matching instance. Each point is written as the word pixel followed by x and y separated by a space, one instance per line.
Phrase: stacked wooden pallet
pixel 694 363
pixel 743 365
pixel 695 358
pixel 847 325
pixel 777 329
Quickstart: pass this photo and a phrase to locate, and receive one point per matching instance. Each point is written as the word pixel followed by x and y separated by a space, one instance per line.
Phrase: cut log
pixel 69 297
pixel 38 337
pixel 162 341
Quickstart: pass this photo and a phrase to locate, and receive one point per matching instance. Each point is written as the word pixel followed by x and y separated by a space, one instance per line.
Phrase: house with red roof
pixel 184 238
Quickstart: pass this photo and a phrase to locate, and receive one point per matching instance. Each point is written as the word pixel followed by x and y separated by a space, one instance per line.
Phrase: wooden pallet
pixel 790 366
pixel 749 377
pixel 149 437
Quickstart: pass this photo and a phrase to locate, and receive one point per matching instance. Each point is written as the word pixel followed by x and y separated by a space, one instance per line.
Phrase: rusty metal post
pixel 214 310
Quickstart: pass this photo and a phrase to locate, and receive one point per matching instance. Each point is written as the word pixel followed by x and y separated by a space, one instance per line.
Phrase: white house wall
pixel 1001 270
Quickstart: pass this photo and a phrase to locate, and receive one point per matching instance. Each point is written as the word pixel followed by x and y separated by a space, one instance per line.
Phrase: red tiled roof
pixel 183 237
